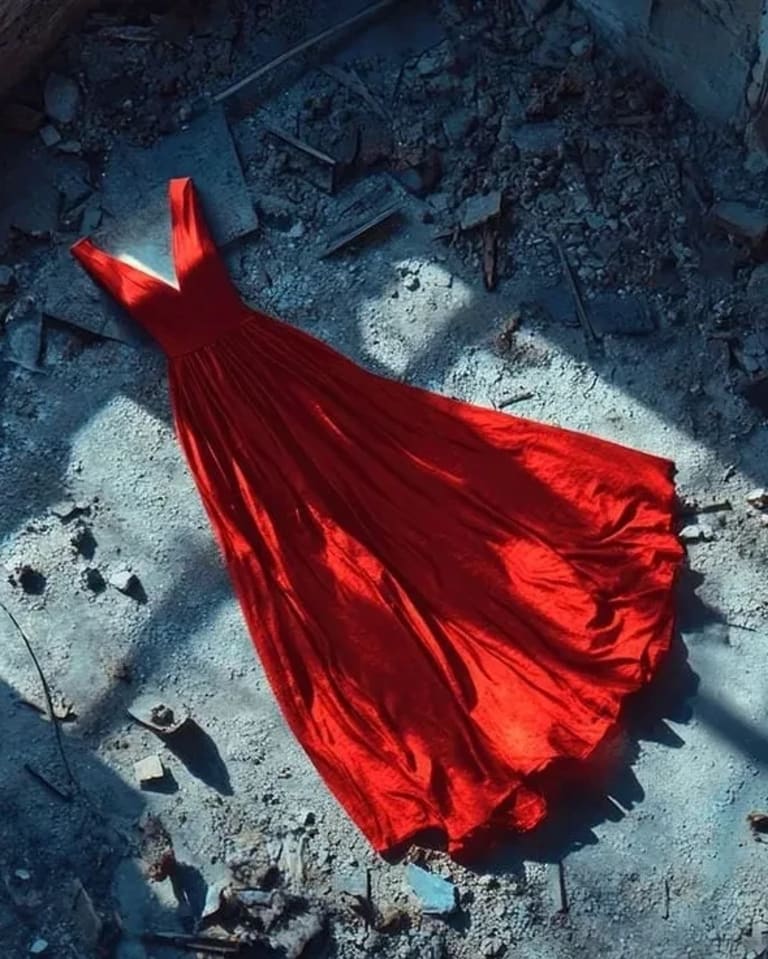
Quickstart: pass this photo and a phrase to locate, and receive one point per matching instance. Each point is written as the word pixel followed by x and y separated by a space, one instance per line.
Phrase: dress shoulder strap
pixel 127 284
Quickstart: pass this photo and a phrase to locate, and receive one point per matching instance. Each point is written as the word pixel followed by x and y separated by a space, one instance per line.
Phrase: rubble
pixel 7 279
pixel 741 220
pixel 125 581
pixel 50 135
pixel 163 715
pixel 149 770
pixel 758 498
pixel 696 533
pixel 23 340
pixel 436 895
pixel 62 98
pixel 38 947
pixel 476 210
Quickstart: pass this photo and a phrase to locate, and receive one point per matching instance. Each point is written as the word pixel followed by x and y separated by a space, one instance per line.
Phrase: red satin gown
pixel 446 600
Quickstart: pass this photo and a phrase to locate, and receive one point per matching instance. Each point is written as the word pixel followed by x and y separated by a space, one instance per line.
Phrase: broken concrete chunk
pixel 23 342
pixel 436 895
pixel 620 315
pixel 757 287
pixel 697 533
pixel 458 125
pixel 477 209
pixel 7 278
pixel 149 770
pixel 163 716
pixel 62 98
pixel 124 581
pixel 539 139
pixel 50 135
pixel 758 498
pixel 741 220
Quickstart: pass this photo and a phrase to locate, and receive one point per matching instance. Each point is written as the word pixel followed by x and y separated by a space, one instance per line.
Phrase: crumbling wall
pixel 27 29
pixel 704 49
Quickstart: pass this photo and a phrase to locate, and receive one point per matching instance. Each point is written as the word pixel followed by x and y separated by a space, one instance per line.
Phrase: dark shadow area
pixel 200 755
pixel 743 735
pixel 190 889
pixel 48 846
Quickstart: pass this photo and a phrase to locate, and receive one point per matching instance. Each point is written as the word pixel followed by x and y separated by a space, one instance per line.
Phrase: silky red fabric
pixel 447 600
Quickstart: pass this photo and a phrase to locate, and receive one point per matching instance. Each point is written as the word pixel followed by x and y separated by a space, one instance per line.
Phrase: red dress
pixel 446 599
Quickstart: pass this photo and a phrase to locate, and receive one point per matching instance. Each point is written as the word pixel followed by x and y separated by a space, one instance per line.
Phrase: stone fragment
pixel 62 98
pixel 758 498
pixel 476 210
pixel 539 139
pixel 22 343
pixel 38 947
pixel 458 125
pixel 7 278
pixel 581 47
pixel 436 895
pixel 50 135
pixel 697 533
pixel 741 220
pixel 149 770
pixel 124 581
pixel 757 287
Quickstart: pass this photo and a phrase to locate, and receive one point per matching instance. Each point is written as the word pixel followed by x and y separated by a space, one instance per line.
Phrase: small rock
pixel 757 287
pixel 23 340
pixel 125 582
pixel 581 47
pixel 429 63
pixel 458 125
pixel 24 874
pixel 149 770
pixel 74 147
pixel 758 498
pixel 62 98
pixel 38 947
pixel 539 139
pixel 477 209
pixel 91 217
pixel 697 533
pixel 741 219
pixel 412 282
pixel 297 230
pixel 50 135
pixel 7 278
pixel 436 895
